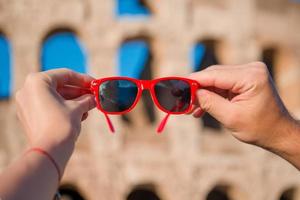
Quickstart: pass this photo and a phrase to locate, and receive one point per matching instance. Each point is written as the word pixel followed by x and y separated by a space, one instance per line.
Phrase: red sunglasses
pixel 119 95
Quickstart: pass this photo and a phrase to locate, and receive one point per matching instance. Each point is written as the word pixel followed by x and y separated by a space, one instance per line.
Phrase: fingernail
pixel 201 92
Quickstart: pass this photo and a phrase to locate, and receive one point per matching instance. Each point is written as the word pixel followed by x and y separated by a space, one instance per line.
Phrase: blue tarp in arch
pixel 197 56
pixel 5 68
pixel 131 7
pixel 63 49
pixel 133 56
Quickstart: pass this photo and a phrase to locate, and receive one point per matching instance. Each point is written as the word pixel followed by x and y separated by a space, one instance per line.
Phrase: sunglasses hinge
pixel 93 85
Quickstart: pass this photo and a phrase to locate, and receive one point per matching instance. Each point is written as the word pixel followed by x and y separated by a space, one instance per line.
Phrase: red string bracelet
pixel 43 152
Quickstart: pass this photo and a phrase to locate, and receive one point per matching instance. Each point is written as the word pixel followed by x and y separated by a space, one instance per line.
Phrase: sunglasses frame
pixel 141 86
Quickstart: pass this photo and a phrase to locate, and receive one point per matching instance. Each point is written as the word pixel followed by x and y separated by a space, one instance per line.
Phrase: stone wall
pixel 187 160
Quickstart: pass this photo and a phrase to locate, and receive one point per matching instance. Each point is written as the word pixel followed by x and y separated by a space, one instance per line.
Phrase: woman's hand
pixel 51 111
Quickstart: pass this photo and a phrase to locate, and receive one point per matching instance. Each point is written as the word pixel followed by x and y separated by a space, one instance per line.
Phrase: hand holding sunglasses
pixel 119 95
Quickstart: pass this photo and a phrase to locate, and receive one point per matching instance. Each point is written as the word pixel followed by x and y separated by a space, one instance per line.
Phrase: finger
pixel 84 103
pixel 61 77
pixel 72 92
pixel 226 79
pixel 195 107
pixel 219 107
pixel 213 67
pixel 221 92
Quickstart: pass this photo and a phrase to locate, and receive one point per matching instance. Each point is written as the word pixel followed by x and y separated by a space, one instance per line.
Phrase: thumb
pixel 84 103
pixel 217 106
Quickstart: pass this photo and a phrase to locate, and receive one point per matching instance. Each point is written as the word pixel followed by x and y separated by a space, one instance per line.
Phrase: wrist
pixel 287 142
pixel 59 151
pixel 49 157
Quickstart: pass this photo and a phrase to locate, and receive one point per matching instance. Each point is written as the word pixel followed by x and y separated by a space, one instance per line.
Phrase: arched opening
pixel 69 192
pixel 61 48
pixel 218 193
pixel 143 192
pixel 288 194
pixel 203 56
pixel 132 8
pixel 135 60
pixel 268 57
pixel 5 68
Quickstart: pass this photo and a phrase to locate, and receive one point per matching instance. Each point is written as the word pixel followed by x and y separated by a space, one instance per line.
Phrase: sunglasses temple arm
pixel 110 125
pixel 163 124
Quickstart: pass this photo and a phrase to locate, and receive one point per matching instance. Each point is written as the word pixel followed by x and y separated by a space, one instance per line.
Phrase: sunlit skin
pixel 51 114
pixel 242 97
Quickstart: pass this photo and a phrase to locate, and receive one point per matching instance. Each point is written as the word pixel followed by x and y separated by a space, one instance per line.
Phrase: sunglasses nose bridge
pixel 145 84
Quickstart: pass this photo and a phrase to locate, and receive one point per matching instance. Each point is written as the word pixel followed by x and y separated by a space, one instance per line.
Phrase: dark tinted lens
pixel 117 95
pixel 173 95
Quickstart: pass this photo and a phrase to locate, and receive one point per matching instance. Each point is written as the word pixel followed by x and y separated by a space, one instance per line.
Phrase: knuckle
pixel 206 101
pixel 260 69
pixel 60 69
pixel 32 78
pixel 66 70
pixel 259 73
pixel 258 64
pixel 193 75
pixel 69 73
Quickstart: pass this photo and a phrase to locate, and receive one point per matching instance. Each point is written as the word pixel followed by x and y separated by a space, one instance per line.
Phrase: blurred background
pixel 194 159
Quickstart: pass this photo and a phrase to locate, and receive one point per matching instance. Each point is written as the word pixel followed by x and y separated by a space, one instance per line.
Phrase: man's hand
pixel 244 99
pixel 51 111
